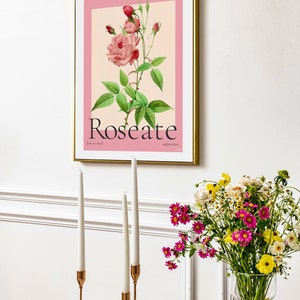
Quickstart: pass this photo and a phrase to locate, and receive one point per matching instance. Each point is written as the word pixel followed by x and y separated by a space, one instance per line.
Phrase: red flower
pixel 198 227
pixel 110 29
pixel 179 246
pixel 128 10
pixel 156 27
pixel 167 252
pixel 171 265
pixel 174 208
pixel 264 213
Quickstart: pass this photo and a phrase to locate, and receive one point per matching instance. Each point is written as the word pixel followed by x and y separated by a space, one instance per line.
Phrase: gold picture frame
pixel 145 103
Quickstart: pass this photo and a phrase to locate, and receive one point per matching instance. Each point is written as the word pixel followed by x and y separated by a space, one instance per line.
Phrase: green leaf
pixel 157 78
pixel 159 106
pixel 150 117
pixel 143 67
pixel 192 252
pixel 111 86
pixel 123 78
pixel 157 61
pixel 130 91
pixel 122 102
pixel 141 98
pixel 104 101
pixel 139 114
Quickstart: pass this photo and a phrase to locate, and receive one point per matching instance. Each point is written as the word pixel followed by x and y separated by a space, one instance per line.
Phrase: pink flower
pixel 184 218
pixel 250 205
pixel 241 214
pixel 250 221
pixel 132 26
pixel 122 49
pixel 174 208
pixel 203 253
pixel 179 246
pixel 183 236
pixel 205 240
pixel 245 237
pixel 156 27
pixel 128 10
pixel 247 195
pixel 235 236
pixel 171 265
pixel 198 227
pixel 167 252
pixel 212 252
pixel 174 220
pixel 264 213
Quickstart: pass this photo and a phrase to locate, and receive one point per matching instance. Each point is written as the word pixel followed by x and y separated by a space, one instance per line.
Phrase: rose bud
pixel 156 27
pixel 110 29
pixel 128 10
pixel 132 26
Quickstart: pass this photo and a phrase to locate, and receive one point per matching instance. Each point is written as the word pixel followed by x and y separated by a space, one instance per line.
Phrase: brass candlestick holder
pixel 135 274
pixel 125 296
pixel 81 279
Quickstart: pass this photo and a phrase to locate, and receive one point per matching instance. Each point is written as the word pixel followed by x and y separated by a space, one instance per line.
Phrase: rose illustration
pixel 133 47
pixel 122 49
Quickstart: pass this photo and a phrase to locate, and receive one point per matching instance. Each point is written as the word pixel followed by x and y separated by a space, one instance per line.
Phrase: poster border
pixel 193 155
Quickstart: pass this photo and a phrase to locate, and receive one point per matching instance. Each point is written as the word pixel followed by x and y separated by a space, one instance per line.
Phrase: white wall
pixel 249 115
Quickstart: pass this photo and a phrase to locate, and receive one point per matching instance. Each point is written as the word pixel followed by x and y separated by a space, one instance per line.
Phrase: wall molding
pixel 102 214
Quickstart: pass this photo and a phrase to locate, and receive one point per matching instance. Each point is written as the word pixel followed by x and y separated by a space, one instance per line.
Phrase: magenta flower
pixel 247 195
pixel 171 265
pixel 202 253
pixel 212 252
pixel 250 205
pixel 179 246
pixel 241 214
pixel 167 252
pixel 250 221
pixel 264 213
pixel 235 236
pixel 174 220
pixel 174 208
pixel 184 218
pixel 183 236
pixel 205 240
pixel 245 237
pixel 198 227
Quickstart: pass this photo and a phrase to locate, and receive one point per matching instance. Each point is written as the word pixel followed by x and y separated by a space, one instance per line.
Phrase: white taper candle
pixel 81 237
pixel 135 215
pixel 126 271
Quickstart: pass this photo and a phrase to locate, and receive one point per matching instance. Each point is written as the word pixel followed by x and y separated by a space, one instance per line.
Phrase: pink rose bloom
pixel 122 49
pixel 132 26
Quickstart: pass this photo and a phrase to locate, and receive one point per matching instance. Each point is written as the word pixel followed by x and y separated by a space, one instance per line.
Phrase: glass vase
pixel 253 286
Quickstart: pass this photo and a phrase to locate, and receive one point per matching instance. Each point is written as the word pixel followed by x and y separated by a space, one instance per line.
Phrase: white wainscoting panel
pixel 101 215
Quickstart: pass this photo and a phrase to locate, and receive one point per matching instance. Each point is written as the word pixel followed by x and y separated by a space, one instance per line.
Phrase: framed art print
pixel 136 81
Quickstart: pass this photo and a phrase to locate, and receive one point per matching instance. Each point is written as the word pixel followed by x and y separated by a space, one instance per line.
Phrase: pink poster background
pixel 97 68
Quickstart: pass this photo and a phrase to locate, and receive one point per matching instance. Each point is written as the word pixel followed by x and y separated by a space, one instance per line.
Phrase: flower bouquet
pixel 252 226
